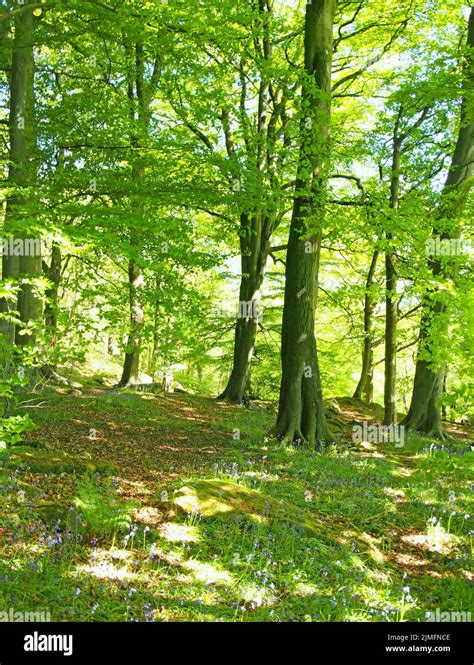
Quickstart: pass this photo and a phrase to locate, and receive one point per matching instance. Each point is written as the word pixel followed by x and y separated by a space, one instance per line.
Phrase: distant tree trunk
pixel 131 367
pixel 424 414
pixel 391 301
pixel 156 330
pixel 369 384
pixel 110 344
pixel 21 175
pixel 53 273
pixel 367 354
pixel 140 94
pixel 301 410
pixel 255 247
pixel 390 385
pixel 444 413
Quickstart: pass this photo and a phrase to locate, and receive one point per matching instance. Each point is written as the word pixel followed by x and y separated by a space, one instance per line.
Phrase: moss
pixel 223 498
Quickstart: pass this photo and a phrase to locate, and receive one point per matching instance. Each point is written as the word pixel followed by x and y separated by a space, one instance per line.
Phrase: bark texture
pixel 301 411
pixel 21 177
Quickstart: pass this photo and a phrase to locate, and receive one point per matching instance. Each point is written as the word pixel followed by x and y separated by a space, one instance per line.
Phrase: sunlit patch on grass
pixel 207 572
pixel 107 571
pixel 438 540
pixel 148 515
pixel 396 493
pixel 117 554
pixel 179 533
pixel 409 560
pixel 256 596
pixel 306 589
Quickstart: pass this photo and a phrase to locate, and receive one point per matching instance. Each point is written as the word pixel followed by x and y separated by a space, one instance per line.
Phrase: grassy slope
pixel 92 524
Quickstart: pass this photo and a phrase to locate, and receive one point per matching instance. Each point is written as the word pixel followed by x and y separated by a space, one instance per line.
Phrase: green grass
pixel 197 524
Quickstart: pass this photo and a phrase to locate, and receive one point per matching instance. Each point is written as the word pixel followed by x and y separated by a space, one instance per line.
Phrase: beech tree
pixel 301 410
pixel 424 413
pixel 22 180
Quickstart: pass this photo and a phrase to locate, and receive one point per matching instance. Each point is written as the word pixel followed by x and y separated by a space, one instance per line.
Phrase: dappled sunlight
pixel 148 515
pixel 262 533
pixel 408 560
pixel 106 570
pixel 395 493
pixel 440 542
pixel 207 573
pixel 179 533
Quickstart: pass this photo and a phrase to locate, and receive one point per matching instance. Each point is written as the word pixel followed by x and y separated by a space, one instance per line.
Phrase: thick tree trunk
pixel 424 414
pixel 21 175
pixel 255 247
pixel 367 353
pixel 301 411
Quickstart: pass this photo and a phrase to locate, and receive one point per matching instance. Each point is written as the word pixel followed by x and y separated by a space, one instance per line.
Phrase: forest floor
pixel 128 506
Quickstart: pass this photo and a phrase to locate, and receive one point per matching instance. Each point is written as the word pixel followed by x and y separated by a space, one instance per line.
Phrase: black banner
pixel 229 644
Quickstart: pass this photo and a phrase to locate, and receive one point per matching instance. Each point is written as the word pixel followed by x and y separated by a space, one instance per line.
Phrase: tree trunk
pixel 424 414
pixel 391 313
pixel 255 247
pixel 21 174
pixel 156 330
pixel 367 354
pixel 131 366
pixel 301 410
pixel 369 384
pixel 139 96
pixel 53 273
pixel 390 385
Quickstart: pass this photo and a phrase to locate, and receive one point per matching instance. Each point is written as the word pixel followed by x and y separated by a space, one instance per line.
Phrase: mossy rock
pixel 41 461
pixel 225 499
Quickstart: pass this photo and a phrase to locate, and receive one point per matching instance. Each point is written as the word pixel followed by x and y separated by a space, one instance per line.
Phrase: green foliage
pixel 101 512
pixel 12 428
